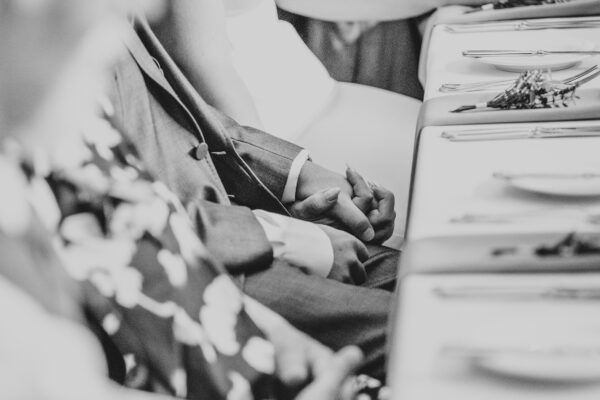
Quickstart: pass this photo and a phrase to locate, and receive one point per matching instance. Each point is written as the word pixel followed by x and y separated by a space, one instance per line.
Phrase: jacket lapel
pixel 145 61
pixel 155 62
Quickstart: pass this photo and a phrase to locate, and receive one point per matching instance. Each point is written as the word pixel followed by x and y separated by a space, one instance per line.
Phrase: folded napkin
pixel 575 8
pixel 496 254
pixel 436 111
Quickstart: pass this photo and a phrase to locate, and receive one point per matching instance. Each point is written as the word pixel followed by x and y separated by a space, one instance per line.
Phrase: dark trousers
pixel 334 313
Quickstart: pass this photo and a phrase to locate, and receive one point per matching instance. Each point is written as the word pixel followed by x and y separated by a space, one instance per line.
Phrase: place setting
pixel 554 364
pixel 492 60
pixel 506 10
pixel 533 96
pixel 497 336
pixel 522 60
pixel 505 4
pixel 539 349
pixel 519 24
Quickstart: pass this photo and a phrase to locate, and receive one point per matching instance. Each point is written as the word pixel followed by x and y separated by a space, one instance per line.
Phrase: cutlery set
pixel 477 86
pixel 557 361
pixel 534 90
pixel 524 25
pixel 503 4
pixel 516 293
pixel 520 53
pixel 505 218
pixel 538 132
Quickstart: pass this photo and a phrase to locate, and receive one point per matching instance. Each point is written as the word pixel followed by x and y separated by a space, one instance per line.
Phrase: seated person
pixel 215 166
pixel 97 190
pixel 256 69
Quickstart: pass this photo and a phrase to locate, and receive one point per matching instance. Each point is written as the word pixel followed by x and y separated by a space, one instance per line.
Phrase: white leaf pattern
pixel 174 266
pixel 133 220
pixel 111 324
pixel 179 382
pixel 129 286
pixel 260 355
pixel 219 315
pixel 136 209
pixel 15 214
pixel 191 333
pixel 240 388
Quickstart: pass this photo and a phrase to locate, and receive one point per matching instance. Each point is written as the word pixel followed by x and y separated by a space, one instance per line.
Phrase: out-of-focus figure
pixel 56 59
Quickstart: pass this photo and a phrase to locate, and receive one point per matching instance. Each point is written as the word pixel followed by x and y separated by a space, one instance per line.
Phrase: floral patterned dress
pixel 145 279
pixel 172 312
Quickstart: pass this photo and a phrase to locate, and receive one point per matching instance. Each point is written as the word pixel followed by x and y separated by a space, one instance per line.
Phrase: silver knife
pixel 522 25
pixel 519 53
pixel 519 293
pixel 511 134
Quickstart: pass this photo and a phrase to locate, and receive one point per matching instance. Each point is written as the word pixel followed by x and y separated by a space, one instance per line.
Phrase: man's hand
pixel 383 217
pixel 345 215
pixel 350 203
pixel 349 253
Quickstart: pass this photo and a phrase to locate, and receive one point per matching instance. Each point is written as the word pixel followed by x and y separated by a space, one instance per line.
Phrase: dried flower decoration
pixel 533 89
pixel 501 4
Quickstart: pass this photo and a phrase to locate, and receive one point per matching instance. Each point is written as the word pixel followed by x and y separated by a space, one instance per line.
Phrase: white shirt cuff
pixel 300 243
pixel 289 192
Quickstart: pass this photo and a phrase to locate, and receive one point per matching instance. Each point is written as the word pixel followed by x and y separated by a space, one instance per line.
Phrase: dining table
pixel 500 272
pixel 445 62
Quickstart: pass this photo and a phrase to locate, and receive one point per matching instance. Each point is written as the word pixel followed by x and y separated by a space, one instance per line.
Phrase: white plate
pixel 554 62
pixel 574 184
pixel 551 367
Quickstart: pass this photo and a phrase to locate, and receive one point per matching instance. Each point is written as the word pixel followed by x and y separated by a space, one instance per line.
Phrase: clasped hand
pixel 348 203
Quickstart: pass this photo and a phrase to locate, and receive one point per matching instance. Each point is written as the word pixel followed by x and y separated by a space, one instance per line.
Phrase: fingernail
pixel 348 167
pixel 332 194
pixel 368 235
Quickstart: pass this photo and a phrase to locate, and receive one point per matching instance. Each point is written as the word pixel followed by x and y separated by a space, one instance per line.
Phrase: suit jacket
pixel 206 158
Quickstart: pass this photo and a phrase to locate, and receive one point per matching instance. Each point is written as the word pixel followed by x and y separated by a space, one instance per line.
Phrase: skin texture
pixel 367 214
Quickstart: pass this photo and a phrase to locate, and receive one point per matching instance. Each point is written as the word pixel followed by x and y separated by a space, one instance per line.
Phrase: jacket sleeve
pixel 269 157
pixel 233 235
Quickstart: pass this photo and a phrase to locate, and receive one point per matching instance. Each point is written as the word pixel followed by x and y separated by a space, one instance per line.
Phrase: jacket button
pixel 201 151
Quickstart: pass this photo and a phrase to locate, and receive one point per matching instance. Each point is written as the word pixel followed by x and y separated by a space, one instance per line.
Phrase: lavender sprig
pixel 532 90
pixel 501 4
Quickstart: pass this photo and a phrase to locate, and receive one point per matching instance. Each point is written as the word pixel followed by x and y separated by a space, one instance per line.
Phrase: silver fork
pixel 475 86
pixel 490 6
pixel 575 215
pixel 538 132
pixel 519 293
pixel 524 25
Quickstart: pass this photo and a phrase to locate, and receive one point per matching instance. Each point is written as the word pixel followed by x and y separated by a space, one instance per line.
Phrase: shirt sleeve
pixel 300 243
pixel 289 192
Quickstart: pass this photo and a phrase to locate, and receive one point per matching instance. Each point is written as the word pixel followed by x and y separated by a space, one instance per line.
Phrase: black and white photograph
pixel 300 199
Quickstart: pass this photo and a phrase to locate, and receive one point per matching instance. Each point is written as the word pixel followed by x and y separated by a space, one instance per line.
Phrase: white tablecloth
pixel 445 63
pixel 455 178
pixel 420 370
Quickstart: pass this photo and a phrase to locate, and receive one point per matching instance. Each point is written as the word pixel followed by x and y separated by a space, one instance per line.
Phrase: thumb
pixel 354 219
pixel 328 385
pixel 317 204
